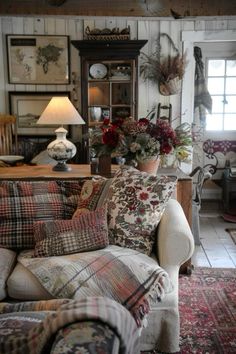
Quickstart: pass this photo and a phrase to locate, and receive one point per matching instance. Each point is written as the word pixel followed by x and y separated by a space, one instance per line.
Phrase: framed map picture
pixel 38 59
pixel 27 107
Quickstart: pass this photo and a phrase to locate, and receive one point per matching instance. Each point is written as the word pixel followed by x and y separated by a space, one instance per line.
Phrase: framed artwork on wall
pixel 38 59
pixel 27 107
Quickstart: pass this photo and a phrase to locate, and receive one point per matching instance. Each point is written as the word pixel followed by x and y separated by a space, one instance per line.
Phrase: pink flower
pixel 139 221
pixel 143 196
pixel 142 211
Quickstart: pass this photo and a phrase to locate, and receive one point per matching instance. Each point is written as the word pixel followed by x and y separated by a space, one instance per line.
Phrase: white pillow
pixel 43 159
pixel 7 262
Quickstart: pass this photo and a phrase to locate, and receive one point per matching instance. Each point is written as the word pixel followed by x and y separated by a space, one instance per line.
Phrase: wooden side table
pixel 184 197
pixel 183 191
pixel 26 172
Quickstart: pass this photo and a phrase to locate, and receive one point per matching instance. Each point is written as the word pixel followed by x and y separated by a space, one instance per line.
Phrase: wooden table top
pixel 77 170
pixel 45 171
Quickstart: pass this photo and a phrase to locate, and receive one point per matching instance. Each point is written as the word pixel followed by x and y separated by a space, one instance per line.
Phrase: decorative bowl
pixel 11 159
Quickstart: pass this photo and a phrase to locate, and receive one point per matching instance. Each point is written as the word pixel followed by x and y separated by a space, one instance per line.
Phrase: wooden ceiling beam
pixel 145 8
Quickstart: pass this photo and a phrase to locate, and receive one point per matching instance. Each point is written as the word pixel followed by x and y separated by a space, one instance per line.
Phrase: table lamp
pixel 60 111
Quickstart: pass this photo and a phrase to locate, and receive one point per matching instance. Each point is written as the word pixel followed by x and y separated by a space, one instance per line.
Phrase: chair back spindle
pixel 8 135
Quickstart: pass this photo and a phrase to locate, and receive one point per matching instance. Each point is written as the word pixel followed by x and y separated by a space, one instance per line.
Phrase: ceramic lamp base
pixel 61 166
pixel 61 150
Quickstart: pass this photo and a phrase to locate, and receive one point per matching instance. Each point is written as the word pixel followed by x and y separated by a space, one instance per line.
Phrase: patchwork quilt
pixel 124 275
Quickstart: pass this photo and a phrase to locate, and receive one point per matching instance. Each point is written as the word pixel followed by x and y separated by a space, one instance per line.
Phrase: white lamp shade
pixel 60 111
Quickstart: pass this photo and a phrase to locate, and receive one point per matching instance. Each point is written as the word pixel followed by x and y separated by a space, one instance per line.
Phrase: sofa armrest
pixel 175 242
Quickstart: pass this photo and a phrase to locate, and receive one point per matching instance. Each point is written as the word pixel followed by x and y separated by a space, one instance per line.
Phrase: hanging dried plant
pixel 166 72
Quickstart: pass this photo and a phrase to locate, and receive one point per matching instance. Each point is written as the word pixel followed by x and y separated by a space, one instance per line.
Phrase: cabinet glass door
pixel 110 90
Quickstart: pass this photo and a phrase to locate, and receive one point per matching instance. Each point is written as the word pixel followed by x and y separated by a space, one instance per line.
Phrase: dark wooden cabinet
pixel 229 191
pixel 109 82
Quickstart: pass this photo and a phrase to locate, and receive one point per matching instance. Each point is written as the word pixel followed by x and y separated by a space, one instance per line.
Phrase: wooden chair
pixel 8 135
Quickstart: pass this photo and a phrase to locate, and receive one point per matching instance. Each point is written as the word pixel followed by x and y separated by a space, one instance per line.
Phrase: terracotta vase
pixel 150 166
pixel 104 165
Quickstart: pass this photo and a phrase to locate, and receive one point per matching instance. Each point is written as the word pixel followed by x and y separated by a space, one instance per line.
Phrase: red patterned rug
pixel 230 217
pixel 207 302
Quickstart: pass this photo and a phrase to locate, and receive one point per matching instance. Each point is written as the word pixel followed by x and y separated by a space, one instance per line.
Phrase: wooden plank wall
pixel 141 28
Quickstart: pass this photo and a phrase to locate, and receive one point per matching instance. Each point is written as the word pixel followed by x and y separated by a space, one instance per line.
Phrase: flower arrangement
pixel 106 139
pixel 140 141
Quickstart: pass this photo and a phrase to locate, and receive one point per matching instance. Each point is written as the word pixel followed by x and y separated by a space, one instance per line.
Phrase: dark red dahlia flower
pixel 166 147
pixel 143 121
pixel 110 138
pixel 106 121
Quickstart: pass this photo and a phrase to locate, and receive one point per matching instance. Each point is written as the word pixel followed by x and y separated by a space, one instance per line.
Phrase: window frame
pixel 224 94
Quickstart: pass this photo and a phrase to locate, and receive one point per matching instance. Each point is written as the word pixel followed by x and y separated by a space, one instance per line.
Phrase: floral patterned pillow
pixel 136 202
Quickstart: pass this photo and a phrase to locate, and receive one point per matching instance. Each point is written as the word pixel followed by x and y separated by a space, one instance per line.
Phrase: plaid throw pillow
pixel 136 202
pixel 60 237
pixel 24 202
pixel 93 195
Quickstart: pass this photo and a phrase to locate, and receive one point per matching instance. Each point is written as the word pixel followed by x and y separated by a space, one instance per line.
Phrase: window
pixel 221 83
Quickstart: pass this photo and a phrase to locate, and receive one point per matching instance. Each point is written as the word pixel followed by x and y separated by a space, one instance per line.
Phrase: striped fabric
pixel 99 309
pixel 124 275
pixel 59 237
pixel 24 202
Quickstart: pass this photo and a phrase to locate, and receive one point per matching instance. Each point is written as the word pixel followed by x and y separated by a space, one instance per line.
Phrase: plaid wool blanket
pixel 61 313
pixel 124 275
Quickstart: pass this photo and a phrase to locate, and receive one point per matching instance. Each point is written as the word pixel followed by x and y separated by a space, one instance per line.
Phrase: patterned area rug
pixel 232 233
pixel 230 217
pixel 208 311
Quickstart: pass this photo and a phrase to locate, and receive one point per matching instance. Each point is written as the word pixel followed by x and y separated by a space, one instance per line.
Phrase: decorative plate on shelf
pixel 98 71
pixel 11 158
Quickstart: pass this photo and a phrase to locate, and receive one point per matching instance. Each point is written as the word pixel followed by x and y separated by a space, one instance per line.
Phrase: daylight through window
pixel 221 83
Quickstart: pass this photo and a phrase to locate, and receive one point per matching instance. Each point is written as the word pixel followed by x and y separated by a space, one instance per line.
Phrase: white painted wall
pixel 141 28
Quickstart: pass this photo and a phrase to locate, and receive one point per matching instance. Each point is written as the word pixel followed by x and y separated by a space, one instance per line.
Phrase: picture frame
pixel 27 107
pixel 38 59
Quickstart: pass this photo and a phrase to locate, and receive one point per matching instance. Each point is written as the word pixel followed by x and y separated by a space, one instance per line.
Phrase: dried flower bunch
pixel 167 71
pixel 139 141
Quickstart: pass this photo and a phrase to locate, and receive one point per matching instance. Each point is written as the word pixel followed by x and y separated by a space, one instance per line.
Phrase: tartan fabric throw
pixel 24 202
pixel 124 275
pixel 63 313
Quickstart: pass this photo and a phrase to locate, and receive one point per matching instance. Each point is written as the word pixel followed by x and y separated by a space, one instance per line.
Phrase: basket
pixel 172 87
pixel 106 34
